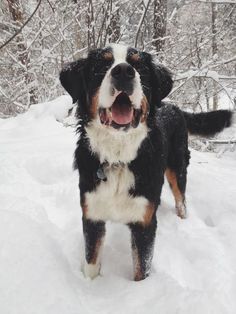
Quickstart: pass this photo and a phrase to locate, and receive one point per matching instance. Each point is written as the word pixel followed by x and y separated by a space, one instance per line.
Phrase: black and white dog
pixel 128 140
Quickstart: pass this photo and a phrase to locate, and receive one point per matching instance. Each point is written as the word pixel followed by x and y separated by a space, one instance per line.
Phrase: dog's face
pixel 116 86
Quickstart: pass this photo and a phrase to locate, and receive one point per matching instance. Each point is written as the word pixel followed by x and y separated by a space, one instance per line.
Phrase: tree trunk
pixel 22 53
pixel 114 26
pixel 214 50
pixel 159 24
pixel 90 25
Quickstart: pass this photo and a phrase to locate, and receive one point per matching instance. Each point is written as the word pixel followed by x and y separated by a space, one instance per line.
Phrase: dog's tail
pixel 208 123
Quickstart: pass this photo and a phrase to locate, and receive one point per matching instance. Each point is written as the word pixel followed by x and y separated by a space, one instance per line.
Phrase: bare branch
pixel 21 28
pixel 141 22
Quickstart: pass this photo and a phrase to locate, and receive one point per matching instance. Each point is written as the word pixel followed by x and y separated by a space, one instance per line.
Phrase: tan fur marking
pixel 171 177
pixel 96 252
pixel 179 199
pixel 138 276
pixel 84 206
pixel 135 57
pixel 84 210
pixel 108 55
pixel 145 108
pixel 137 268
pixel 94 106
pixel 148 214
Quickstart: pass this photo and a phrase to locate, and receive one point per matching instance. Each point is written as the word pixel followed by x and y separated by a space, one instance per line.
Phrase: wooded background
pixel 194 38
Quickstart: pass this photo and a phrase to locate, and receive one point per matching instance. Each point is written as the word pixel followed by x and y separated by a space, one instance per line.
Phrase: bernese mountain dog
pixel 128 140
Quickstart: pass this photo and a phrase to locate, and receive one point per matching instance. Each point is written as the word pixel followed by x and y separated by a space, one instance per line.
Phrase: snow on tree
pixel 195 39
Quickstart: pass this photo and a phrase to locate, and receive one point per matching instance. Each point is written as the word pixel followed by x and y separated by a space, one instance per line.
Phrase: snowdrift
pixel 41 243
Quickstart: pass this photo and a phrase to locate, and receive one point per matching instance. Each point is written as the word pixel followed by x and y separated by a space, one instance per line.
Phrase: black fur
pixel 208 123
pixel 93 233
pixel 73 79
pixel 165 147
pixel 142 242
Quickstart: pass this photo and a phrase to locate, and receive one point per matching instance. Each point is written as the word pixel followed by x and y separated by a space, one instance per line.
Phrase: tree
pixel 159 24
pixel 214 49
pixel 192 38
pixel 22 53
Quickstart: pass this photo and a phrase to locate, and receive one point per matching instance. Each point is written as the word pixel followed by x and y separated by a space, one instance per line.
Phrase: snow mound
pixel 41 241
pixel 57 108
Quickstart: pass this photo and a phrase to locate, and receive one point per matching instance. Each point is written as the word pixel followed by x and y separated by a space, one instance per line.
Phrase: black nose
pixel 123 71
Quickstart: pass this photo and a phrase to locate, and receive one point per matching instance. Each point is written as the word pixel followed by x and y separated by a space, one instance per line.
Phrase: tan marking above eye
pixel 135 57
pixel 108 55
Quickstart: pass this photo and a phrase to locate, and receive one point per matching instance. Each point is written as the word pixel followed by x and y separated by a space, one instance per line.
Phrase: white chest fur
pixel 114 145
pixel 111 199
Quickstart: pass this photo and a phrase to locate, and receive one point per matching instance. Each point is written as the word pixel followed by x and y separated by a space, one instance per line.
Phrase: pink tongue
pixel 122 114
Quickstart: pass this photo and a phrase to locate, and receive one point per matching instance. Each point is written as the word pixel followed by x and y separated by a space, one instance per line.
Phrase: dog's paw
pixel 91 270
pixel 181 211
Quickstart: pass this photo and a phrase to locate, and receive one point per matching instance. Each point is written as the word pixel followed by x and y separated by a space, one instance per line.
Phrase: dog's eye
pixel 133 57
pixel 107 56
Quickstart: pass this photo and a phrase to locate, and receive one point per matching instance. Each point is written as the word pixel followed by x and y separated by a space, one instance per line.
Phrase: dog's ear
pixel 72 78
pixel 161 80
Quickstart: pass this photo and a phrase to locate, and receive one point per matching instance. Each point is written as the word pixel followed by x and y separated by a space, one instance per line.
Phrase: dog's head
pixel 117 86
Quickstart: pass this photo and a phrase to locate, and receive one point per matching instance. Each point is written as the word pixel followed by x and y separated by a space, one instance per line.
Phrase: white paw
pixel 91 270
pixel 181 210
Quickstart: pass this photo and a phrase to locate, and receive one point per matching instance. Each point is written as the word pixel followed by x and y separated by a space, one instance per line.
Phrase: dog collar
pixel 101 172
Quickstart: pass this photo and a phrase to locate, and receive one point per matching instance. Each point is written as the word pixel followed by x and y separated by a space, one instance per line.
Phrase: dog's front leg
pixel 142 238
pixel 94 232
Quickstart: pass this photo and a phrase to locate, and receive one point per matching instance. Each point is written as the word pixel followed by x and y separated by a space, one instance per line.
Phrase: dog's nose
pixel 123 71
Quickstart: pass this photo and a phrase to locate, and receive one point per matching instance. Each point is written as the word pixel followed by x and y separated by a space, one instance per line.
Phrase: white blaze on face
pixel 119 53
pixel 110 144
pixel 107 92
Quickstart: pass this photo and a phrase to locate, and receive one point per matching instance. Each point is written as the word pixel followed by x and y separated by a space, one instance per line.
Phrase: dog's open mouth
pixel 121 113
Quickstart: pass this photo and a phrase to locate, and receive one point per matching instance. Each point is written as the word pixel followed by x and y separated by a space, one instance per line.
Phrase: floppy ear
pixel 72 78
pixel 162 81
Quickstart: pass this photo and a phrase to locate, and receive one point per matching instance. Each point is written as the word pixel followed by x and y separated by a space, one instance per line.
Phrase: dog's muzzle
pixel 121 114
pixel 123 76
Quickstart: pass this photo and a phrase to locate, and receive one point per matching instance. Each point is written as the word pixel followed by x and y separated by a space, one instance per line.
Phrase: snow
pixel 41 242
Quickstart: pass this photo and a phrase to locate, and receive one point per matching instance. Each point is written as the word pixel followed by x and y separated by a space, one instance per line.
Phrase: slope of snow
pixel 41 242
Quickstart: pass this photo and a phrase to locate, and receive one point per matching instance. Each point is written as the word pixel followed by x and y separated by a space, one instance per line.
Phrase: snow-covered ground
pixel 41 242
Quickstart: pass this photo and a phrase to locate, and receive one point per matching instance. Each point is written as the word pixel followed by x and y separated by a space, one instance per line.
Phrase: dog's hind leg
pixel 142 237
pixel 178 160
pixel 177 182
pixel 94 232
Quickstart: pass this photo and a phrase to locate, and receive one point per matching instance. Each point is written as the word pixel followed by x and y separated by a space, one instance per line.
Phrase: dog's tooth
pixel 109 115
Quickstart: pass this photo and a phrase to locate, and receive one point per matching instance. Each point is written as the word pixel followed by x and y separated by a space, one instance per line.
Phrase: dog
pixel 128 139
